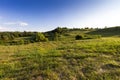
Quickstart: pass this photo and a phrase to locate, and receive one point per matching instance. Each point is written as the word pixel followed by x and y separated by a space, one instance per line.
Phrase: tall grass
pixel 96 59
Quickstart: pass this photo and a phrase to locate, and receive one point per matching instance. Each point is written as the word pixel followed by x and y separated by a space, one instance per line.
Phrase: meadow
pixel 90 59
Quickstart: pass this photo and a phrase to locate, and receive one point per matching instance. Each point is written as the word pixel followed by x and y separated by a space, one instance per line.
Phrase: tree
pixel 39 37
pixel 56 35
pixel 60 30
pixel 4 37
pixel 21 41
pixel 12 37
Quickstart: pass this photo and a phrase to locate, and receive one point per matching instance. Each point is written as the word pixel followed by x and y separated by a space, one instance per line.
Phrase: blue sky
pixel 45 15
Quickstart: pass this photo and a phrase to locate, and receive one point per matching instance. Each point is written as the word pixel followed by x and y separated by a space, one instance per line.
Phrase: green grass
pixel 93 59
pixel 107 32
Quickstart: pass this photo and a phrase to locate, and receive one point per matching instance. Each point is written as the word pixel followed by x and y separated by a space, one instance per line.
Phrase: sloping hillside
pixel 107 32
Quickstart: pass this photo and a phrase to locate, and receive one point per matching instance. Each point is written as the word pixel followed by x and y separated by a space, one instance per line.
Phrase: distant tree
pixel 105 27
pixel 24 34
pixel 60 30
pixel 56 35
pixel 39 37
pixel 4 37
pixel 86 27
pixel 21 41
pixel 15 34
pixel 12 37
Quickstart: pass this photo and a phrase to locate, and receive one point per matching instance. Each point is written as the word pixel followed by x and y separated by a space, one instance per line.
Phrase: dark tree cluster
pixel 15 38
pixel 78 37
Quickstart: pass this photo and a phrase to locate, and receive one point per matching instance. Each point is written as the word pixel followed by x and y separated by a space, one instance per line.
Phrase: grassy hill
pixel 107 32
pixel 65 59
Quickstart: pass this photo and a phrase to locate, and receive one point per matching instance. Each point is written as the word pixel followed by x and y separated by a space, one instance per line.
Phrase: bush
pixel 21 41
pixel 78 37
pixel 1 42
pixel 40 37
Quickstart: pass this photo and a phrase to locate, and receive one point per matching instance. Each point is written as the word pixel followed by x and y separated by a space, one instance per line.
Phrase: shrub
pixel 21 41
pixel 40 37
pixel 78 37
pixel 1 42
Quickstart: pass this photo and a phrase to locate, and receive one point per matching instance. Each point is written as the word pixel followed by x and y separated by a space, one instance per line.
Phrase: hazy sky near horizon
pixel 45 15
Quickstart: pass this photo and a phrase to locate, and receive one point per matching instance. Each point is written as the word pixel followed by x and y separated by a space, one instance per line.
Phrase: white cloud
pixel 17 23
pixel 23 24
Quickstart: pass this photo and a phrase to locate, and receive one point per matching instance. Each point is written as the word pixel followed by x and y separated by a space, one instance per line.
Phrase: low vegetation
pixel 18 38
pixel 107 32
pixel 83 37
pixel 62 58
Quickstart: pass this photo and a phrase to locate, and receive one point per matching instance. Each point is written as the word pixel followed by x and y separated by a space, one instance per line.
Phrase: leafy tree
pixel 4 37
pixel 21 41
pixel 12 37
pixel 39 37
pixel 60 30
pixel 56 35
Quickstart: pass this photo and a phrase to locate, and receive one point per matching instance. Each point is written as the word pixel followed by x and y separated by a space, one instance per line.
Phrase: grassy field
pixel 92 59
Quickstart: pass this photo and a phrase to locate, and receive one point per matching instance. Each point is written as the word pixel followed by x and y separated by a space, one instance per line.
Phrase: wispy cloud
pixel 23 24
pixel 10 23
pixel 19 23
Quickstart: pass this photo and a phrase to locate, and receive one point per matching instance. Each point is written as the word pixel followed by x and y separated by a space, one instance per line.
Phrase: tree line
pixel 31 37
pixel 21 37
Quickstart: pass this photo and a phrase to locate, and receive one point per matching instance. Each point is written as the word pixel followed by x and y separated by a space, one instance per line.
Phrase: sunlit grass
pixel 95 59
